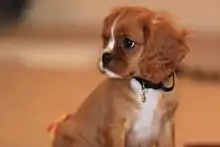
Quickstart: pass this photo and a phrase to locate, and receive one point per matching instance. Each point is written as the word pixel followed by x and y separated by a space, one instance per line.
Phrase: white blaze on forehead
pixel 108 49
pixel 111 42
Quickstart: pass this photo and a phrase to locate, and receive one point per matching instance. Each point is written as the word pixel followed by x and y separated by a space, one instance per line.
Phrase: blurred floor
pixel 42 79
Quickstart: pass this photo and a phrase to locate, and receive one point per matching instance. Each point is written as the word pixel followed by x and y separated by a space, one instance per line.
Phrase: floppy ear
pixel 164 49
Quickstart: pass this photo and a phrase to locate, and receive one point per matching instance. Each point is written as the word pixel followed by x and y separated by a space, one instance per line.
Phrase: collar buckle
pixel 143 93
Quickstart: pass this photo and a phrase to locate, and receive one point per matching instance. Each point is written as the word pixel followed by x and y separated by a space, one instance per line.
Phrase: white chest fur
pixel 147 123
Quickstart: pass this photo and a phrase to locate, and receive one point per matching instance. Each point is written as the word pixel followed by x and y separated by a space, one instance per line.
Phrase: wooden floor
pixel 41 80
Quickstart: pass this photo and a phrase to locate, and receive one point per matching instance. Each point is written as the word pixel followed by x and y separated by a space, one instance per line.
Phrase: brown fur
pixel 160 47
pixel 102 120
pixel 107 115
pixel 165 48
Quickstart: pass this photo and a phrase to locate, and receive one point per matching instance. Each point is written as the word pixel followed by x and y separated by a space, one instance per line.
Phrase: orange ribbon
pixel 52 128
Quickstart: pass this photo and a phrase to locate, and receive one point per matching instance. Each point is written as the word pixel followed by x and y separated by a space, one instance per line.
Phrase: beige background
pixel 197 14
pixel 41 77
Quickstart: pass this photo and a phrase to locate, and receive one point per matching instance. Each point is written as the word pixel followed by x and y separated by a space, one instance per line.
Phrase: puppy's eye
pixel 128 43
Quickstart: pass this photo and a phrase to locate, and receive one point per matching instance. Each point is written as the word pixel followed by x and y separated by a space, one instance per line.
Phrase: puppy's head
pixel 139 42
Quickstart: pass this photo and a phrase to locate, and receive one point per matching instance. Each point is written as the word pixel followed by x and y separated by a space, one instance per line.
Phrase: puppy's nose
pixel 106 58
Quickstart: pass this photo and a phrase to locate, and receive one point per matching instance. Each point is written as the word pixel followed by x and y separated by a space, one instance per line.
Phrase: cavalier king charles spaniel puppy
pixel 135 106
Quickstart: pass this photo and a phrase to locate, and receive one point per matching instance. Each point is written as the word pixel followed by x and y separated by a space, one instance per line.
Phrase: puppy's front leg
pixel 167 138
pixel 116 135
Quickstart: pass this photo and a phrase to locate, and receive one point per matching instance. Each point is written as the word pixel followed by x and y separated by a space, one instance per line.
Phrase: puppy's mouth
pixel 107 71
pixel 113 74
pixel 101 70
pixel 110 73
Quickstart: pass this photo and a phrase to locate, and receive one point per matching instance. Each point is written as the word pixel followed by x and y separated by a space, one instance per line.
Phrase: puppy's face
pixel 138 42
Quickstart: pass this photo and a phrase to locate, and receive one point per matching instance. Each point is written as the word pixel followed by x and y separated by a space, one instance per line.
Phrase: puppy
pixel 135 107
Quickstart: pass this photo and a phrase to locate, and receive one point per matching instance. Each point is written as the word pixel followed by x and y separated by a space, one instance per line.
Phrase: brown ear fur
pixel 164 49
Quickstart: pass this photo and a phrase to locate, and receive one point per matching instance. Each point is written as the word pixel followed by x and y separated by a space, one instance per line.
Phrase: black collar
pixel 147 84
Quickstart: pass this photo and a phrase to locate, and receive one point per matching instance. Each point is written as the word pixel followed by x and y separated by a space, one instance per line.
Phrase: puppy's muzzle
pixel 106 59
